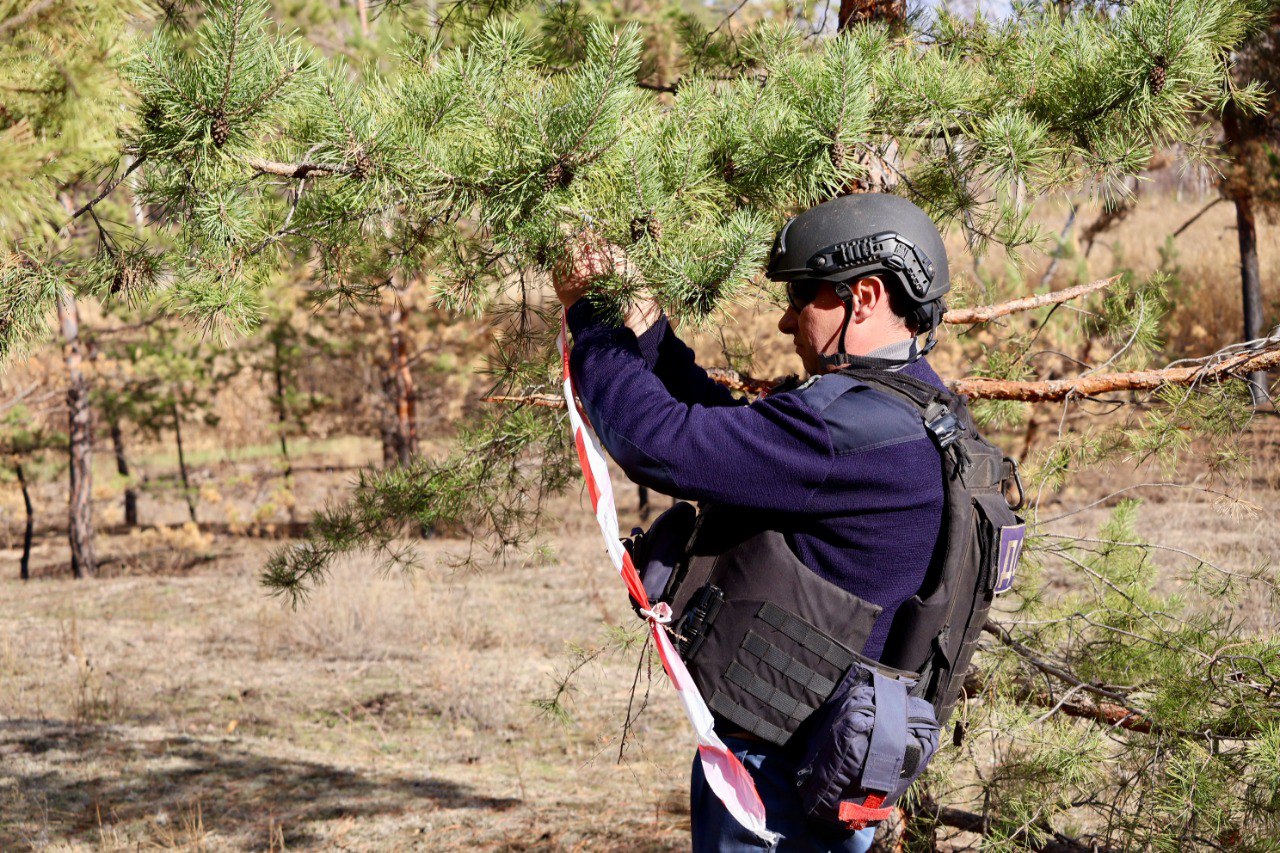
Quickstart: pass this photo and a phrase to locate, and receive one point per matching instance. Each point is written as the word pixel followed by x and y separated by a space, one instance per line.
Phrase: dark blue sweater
pixel 853 477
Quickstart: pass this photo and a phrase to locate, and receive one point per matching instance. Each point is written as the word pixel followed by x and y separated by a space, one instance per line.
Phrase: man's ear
pixel 867 293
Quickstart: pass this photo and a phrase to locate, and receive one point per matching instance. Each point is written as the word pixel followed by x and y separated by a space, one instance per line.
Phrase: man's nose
pixel 787 323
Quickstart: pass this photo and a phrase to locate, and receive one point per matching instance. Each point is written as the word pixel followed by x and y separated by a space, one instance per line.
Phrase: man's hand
pixel 589 258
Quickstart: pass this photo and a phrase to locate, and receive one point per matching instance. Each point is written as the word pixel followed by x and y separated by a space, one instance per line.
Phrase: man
pixel 851 476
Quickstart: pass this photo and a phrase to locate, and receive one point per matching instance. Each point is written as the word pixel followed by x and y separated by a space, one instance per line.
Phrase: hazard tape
pixel 726 775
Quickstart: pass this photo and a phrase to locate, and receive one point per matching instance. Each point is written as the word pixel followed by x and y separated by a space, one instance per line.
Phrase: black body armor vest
pixel 768 641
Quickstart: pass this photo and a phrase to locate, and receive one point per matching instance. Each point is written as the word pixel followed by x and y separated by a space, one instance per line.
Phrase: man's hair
pixel 902 307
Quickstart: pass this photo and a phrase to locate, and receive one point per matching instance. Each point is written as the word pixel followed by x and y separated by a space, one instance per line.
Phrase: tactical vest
pixel 768 641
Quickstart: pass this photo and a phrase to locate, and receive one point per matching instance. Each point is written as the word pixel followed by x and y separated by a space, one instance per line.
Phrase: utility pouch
pixel 867 744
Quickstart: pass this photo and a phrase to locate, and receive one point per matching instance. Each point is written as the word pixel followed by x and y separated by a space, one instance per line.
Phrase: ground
pixel 391 712
pixel 180 706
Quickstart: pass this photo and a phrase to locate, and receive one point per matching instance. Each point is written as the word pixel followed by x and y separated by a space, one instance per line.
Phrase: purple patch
pixel 1011 539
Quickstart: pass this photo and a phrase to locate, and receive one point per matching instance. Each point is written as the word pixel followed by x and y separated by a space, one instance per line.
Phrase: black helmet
pixel 867 234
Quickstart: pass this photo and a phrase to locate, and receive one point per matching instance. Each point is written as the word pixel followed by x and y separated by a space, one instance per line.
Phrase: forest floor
pixel 175 705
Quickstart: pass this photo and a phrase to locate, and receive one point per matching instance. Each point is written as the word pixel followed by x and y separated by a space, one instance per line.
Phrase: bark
pixel 400 424
pixel 28 533
pixel 182 465
pixel 79 441
pixel 122 468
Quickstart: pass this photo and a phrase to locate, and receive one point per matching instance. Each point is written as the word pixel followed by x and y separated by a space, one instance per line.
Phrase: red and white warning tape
pixel 725 774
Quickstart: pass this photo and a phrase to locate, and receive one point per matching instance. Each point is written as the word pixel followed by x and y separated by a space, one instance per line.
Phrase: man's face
pixel 815 328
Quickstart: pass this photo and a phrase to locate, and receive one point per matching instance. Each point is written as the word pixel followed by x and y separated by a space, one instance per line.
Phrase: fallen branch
pixel 986 313
pixel 298 170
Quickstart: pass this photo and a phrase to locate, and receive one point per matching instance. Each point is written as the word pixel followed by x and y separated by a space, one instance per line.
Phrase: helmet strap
pixel 843 359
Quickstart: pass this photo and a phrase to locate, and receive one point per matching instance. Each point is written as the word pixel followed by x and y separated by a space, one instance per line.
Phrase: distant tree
pixel 23 443
pixel 1251 181
pixel 61 102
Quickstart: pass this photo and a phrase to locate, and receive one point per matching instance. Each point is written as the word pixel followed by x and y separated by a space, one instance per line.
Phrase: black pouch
pixel 867 744
pixel 656 552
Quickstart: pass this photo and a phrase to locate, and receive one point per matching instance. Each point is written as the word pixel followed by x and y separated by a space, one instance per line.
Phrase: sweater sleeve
pixel 773 454
pixel 668 357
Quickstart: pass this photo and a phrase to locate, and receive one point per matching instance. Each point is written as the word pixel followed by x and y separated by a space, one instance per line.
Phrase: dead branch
pixel 25 15
pixel 298 170
pixel 982 388
pixel 735 381
pixel 985 313
pixel 966 821
pixel 546 401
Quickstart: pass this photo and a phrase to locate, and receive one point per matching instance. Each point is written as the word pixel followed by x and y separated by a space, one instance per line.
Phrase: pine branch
pixel 107 189
pixel 1002 634
pixel 237 16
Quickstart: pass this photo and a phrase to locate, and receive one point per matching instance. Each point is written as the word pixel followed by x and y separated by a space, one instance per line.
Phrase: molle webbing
pixel 777 659
pixel 806 635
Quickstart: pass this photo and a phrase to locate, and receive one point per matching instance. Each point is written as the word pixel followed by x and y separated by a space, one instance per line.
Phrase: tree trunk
pixel 1238 133
pixel 122 468
pixel 400 430
pixel 1250 285
pixel 362 7
pixel 28 534
pixel 79 441
pixel 282 419
pixel 894 12
pixel 182 464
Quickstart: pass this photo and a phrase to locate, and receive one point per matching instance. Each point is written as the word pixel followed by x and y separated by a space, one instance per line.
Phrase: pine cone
pixel 127 279
pixel 221 130
pixel 838 153
pixel 559 176
pixel 1157 76
pixel 363 164
pixel 645 226
pixel 729 171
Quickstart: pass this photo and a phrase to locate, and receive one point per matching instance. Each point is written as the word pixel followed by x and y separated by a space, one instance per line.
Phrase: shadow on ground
pixel 64 783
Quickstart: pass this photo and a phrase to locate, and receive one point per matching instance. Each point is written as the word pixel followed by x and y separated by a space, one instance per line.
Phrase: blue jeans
pixel 716 831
